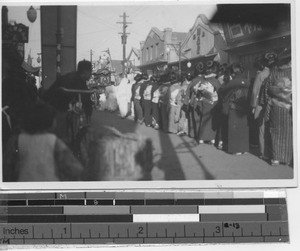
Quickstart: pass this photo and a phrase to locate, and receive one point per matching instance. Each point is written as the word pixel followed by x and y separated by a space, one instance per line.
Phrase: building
pixel 204 41
pixel 254 30
pixel 134 58
pixel 246 42
pixel 155 50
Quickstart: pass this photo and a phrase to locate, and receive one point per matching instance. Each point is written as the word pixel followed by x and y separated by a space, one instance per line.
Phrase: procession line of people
pixel 217 105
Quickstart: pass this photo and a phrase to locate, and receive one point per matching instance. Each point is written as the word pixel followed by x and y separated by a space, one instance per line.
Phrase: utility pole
pixel 124 38
pixel 179 70
pixel 91 56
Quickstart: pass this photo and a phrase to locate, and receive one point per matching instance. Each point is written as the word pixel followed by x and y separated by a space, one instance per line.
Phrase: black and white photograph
pixel 145 92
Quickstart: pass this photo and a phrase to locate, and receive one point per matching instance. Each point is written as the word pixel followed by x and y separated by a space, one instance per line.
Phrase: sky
pixel 98 30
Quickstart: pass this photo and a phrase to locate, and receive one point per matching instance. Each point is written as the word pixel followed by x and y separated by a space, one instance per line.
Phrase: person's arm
pixel 68 168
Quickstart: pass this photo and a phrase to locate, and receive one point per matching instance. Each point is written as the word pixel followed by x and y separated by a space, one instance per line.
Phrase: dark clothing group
pixel 202 108
pixel 222 113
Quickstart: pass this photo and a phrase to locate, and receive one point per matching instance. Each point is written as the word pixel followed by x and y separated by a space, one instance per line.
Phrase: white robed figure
pixel 111 98
pixel 124 96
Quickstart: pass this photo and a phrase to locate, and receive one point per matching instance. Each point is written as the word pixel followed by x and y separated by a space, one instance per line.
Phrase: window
pixel 235 31
pixel 151 52
pixel 147 55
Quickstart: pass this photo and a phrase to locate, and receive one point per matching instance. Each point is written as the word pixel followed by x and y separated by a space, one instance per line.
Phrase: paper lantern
pixel 31 14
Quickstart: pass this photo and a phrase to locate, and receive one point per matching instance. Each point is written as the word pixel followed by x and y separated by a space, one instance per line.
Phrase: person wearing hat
pixel 173 106
pixel 61 99
pixel 269 61
pixel 164 101
pixel 136 99
pixel 207 97
pixel 276 100
pixel 146 89
pixel 263 71
pixel 154 103
pixel 219 119
pixel 183 122
pixel 235 107
pixel 279 116
pixel 190 99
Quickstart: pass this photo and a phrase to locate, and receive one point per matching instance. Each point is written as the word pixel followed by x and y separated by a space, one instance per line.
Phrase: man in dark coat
pixel 61 99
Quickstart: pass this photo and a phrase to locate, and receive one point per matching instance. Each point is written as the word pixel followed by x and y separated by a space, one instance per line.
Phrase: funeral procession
pixel 147 92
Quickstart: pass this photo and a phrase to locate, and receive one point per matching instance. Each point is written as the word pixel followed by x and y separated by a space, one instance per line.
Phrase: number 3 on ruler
pixel 218 229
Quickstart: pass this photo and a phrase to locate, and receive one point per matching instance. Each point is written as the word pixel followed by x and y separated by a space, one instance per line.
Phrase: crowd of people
pixel 216 105
pixel 219 106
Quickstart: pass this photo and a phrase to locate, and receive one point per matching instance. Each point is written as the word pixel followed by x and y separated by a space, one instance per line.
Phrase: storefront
pixel 246 42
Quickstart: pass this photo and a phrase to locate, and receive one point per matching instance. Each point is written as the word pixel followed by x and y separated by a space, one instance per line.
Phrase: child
pixel 36 154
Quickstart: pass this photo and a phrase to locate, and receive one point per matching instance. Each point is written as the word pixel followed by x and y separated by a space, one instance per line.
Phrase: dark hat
pixel 270 58
pixel 209 64
pixel 145 76
pixel 200 68
pixel 259 63
pixel 222 69
pixel 138 77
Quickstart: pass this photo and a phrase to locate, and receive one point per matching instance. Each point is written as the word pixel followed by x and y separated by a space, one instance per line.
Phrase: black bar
pixel 160 202
pixel 275 201
pixel 130 202
pixel 41 202
pixel 35 210
pixel 218 202
pixel 250 201
pixel 99 202
pixel 68 202
pixel 99 218
pixel 16 203
pixel 189 202
pixel 36 218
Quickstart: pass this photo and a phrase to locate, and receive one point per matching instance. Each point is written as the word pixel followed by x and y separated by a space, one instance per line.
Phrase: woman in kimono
pixel 191 102
pixel 164 102
pixel 183 121
pixel 154 103
pixel 146 94
pixel 278 115
pixel 136 99
pixel 235 105
pixel 173 107
pixel 207 98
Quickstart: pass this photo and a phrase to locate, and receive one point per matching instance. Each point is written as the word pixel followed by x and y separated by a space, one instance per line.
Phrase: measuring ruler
pixel 142 218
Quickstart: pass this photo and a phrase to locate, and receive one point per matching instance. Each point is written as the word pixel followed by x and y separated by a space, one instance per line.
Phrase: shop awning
pixel 152 64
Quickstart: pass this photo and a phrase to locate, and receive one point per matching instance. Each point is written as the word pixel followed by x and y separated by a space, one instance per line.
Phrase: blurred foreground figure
pixel 61 100
pixel 36 154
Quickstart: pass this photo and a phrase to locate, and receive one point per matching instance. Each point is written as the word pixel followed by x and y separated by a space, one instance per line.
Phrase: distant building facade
pixel 204 41
pixel 155 50
pixel 134 58
pixel 184 50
